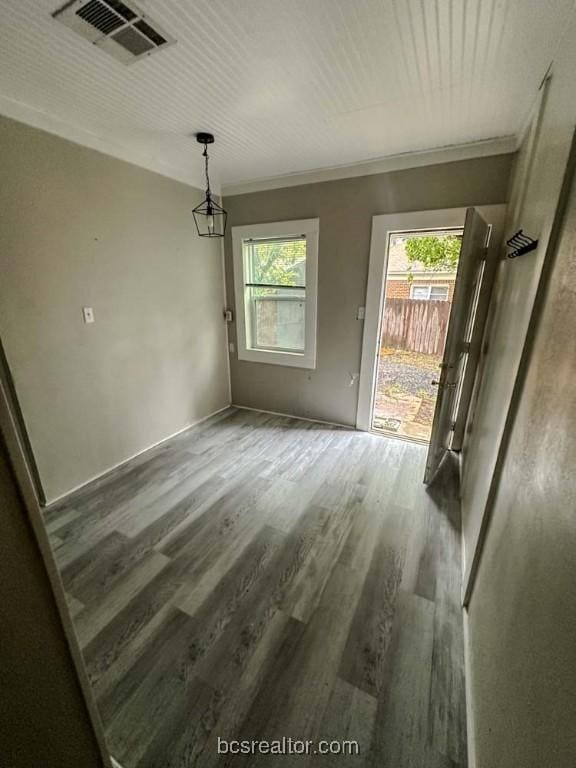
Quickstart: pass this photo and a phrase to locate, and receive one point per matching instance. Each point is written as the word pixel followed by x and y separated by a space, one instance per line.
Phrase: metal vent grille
pixel 119 28
pixel 132 41
pixel 122 9
pixel 150 33
pixel 100 16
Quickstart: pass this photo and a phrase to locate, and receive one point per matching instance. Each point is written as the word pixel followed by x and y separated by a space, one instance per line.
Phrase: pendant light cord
pixel 205 153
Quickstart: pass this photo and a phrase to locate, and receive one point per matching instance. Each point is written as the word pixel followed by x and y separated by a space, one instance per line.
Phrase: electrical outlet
pixel 361 313
pixel 88 314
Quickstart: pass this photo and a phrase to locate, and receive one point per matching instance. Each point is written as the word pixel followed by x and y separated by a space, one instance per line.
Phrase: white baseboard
pixel 292 416
pixel 133 456
pixel 470 729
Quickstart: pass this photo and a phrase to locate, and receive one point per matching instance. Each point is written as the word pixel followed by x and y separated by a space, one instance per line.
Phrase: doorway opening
pixel 418 289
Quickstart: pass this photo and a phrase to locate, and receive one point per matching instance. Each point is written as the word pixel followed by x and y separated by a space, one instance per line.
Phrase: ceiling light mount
pixel 210 218
pixel 205 138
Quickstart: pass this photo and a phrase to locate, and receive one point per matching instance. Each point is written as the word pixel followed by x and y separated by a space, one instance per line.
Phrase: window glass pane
pixel 439 292
pixel 277 262
pixel 275 276
pixel 420 291
pixel 279 322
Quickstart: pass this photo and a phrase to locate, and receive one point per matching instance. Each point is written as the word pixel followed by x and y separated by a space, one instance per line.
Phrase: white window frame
pixel 429 286
pixel 310 229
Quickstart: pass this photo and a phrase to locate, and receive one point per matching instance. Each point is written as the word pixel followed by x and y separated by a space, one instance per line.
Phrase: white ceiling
pixel 287 86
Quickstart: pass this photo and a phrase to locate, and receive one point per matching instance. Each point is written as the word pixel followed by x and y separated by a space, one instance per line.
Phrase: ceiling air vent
pixel 118 28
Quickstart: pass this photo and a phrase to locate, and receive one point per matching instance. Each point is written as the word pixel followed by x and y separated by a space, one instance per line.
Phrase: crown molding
pixel 55 125
pixel 405 160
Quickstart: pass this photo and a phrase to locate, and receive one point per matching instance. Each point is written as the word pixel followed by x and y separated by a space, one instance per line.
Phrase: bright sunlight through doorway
pixel 420 279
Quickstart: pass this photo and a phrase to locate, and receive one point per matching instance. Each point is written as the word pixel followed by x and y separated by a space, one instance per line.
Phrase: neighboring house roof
pixel 398 263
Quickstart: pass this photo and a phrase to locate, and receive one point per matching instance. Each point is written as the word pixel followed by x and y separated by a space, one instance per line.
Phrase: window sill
pixel 290 359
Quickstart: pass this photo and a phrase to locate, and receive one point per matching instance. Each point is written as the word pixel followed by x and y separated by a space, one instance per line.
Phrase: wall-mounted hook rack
pixel 520 244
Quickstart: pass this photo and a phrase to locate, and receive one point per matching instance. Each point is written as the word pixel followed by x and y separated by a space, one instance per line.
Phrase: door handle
pixel 438 384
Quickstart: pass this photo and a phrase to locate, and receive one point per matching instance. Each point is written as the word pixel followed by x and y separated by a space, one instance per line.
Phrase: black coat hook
pixel 520 244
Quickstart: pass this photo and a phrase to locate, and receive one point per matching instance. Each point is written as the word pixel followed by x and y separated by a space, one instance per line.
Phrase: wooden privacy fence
pixel 416 325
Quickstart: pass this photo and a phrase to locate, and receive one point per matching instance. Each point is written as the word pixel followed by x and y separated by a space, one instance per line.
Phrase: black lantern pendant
pixel 210 217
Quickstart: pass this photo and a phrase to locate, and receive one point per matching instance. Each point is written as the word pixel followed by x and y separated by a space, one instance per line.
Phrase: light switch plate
pixel 88 314
pixel 361 313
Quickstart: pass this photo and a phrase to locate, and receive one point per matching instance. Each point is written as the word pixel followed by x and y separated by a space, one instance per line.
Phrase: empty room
pixel 287 403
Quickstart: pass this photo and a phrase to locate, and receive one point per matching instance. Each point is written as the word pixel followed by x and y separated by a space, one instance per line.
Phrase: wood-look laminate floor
pixel 259 577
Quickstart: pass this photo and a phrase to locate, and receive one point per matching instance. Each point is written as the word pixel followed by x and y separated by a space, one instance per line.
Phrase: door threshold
pixel 404 438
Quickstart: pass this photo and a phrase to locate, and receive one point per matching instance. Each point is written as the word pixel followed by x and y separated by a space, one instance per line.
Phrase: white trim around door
pixel 382 226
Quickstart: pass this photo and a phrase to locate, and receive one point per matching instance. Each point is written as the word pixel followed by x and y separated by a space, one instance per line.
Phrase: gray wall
pixel 534 197
pixel 522 617
pixel 43 718
pixel 522 614
pixel 345 209
pixel 79 228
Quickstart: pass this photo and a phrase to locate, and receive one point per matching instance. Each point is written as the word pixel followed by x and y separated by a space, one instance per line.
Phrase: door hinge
pixel 452 426
pixel 465 347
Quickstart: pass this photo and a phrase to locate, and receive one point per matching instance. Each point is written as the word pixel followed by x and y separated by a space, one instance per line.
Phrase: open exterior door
pixel 456 375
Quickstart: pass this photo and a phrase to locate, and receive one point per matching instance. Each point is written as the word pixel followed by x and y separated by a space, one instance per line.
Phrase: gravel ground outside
pixel 410 371
pixel 405 397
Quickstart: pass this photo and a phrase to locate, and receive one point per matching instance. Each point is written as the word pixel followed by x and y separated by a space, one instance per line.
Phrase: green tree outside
pixel 278 264
pixel 436 253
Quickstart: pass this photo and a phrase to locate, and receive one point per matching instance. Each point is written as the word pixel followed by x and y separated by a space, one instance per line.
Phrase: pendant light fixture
pixel 210 217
